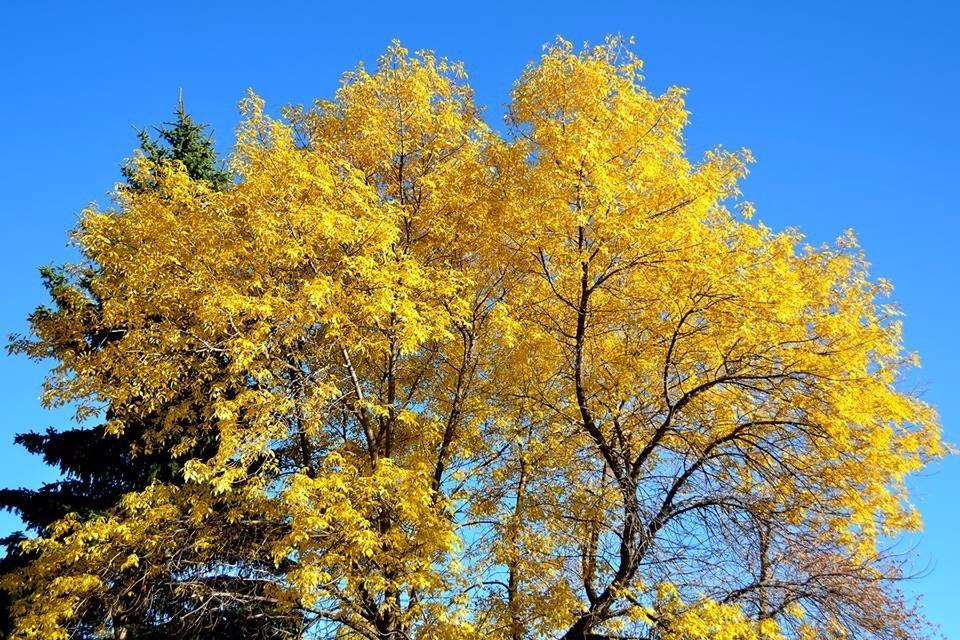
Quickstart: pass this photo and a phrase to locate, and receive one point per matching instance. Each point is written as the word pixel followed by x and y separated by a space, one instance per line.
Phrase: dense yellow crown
pixel 478 385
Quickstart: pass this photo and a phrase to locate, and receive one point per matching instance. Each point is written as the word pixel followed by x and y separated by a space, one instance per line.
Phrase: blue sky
pixel 851 109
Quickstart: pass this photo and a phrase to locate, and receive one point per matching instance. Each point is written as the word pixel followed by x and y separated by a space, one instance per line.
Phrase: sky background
pixel 851 109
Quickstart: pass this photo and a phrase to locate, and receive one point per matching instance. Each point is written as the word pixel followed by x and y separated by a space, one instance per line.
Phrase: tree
pixel 97 470
pixel 466 385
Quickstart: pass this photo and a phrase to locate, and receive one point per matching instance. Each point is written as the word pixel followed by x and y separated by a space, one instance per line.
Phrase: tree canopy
pixel 548 383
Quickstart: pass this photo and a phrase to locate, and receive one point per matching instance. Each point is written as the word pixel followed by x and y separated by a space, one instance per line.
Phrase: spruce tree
pixel 97 469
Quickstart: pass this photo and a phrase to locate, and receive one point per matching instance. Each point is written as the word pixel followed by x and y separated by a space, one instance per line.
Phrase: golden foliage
pixel 470 385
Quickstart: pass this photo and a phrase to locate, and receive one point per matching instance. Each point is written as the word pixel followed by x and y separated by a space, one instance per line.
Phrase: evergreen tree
pixel 95 469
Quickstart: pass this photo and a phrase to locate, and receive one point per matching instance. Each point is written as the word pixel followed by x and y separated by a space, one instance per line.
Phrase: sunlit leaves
pixel 473 385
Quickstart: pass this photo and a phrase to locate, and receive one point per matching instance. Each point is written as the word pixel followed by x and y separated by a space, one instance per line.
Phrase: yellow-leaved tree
pixel 469 384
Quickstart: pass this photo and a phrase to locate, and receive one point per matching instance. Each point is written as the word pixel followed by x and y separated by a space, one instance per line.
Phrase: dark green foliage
pixel 185 141
pixel 96 469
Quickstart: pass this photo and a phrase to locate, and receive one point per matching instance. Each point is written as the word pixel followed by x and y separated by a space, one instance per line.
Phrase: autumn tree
pixel 471 385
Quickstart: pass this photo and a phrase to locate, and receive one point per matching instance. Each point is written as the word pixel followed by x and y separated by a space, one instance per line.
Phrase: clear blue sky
pixel 851 109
